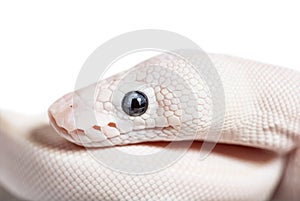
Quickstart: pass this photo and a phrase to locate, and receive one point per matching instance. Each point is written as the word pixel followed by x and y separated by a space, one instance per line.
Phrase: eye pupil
pixel 135 103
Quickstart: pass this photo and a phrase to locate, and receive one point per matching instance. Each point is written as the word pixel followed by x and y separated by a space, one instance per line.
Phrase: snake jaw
pixel 59 129
pixel 62 119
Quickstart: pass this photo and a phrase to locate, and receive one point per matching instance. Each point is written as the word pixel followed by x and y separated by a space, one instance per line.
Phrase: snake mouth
pixel 55 126
pixel 60 130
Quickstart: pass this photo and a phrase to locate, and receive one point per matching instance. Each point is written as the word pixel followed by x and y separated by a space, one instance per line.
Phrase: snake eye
pixel 135 103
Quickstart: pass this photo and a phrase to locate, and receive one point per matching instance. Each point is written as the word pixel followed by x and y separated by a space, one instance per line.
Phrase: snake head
pixel 150 102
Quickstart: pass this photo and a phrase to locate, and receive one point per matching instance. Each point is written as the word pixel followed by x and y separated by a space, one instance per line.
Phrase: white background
pixel 43 45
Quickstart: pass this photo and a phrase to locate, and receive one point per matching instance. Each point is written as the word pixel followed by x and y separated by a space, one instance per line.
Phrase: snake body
pixel 257 152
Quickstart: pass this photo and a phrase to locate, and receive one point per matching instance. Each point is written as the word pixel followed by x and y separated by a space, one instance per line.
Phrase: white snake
pixel 258 154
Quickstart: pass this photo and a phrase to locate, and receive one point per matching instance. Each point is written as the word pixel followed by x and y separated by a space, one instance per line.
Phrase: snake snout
pixel 82 131
pixel 59 129
pixel 61 115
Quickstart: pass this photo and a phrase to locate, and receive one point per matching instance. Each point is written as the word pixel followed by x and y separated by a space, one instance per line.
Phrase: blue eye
pixel 135 103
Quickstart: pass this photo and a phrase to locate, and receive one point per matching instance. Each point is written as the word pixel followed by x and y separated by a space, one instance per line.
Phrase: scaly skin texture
pixel 262 111
pixel 262 105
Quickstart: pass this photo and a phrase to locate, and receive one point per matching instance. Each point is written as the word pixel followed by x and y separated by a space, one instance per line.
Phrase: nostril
pixel 97 127
pixel 112 124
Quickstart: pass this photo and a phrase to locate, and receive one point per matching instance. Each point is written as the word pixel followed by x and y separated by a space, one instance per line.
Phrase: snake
pixel 148 107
